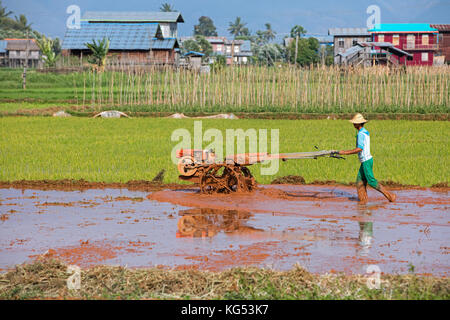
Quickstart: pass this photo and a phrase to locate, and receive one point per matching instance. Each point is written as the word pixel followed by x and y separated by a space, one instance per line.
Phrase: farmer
pixel 365 174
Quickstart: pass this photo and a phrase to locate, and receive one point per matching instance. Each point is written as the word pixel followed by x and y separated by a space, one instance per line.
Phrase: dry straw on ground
pixel 46 279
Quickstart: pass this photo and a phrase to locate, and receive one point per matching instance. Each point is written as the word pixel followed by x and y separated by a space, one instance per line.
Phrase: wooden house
pixel 135 38
pixel 443 40
pixel 22 52
pixel 345 38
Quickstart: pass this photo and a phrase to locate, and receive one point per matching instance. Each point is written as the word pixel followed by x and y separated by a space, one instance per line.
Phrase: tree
pixel 263 37
pixel 198 44
pixel 269 33
pixel 190 45
pixel 297 30
pixel 23 23
pixel 205 46
pixel 99 52
pixel 268 53
pixel 48 54
pixel 307 51
pixel 237 28
pixel 165 7
pixel 205 27
pixel 3 12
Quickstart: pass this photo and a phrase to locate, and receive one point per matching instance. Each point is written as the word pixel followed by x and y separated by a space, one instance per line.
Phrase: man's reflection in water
pixel 365 231
pixel 206 223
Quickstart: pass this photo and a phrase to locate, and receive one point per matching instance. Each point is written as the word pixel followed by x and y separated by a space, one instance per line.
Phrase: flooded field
pixel 322 228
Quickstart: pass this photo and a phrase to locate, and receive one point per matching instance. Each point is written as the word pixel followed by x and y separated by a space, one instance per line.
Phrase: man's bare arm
pixel 346 152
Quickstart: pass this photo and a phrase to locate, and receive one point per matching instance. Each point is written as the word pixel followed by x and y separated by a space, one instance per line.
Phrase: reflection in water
pixel 365 231
pixel 208 222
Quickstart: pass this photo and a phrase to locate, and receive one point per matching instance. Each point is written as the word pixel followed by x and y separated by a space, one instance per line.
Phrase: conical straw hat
pixel 358 118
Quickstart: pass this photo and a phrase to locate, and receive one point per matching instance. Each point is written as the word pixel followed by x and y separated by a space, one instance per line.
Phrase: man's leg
pixel 361 183
pixel 368 172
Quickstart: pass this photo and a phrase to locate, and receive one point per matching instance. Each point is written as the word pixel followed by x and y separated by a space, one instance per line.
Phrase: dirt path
pixel 323 228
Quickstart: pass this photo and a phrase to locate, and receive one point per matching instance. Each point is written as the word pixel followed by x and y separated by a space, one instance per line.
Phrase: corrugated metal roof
pixel 21 44
pixel 164 44
pixel 3 44
pixel 402 27
pixel 122 36
pixel 132 16
pixel 348 32
pixel 441 27
pixel 350 51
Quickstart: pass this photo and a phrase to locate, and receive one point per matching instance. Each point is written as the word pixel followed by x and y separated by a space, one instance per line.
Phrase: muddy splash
pixel 322 228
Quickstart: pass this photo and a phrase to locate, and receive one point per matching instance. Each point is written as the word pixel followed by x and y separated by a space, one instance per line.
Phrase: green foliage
pixel 265 36
pixel 268 54
pixel 198 44
pixel 15 28
pixel 205 27
pixel 220 61
pixel 166 7
pixel 297 30
pixel 99 51
pixel 46 46
pixel 307 51
pixel 238 29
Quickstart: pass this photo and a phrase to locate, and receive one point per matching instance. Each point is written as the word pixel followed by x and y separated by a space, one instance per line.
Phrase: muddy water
pixel 322 228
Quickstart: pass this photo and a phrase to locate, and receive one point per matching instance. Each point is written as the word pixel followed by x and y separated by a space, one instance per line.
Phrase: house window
pixel 341 43
pixel 236 49
pixel 219 47
pixel 410 41
pixel 228 49
pixel 381 38
pixel 425 39
pixel 424 56
pixel 354 42
pixel 395 39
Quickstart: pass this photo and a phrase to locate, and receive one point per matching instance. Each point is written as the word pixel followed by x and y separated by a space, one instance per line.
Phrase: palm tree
pixel 3 12
pixel 269 33
pixel 297 31
pixel 166 7
pixel 23 22
pixel 99 52
pixel 237 28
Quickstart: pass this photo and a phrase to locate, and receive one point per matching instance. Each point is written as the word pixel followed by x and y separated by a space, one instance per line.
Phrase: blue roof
pixel 122 36
pixel 164 44
pixel 194 53
pixel 132 16
pixel 3 44
pixel 402 27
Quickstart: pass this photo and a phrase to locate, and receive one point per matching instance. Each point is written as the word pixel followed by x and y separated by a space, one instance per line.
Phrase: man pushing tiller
pixel 365 173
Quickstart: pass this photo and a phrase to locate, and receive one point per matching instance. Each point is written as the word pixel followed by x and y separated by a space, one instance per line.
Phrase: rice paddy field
pixel 119 150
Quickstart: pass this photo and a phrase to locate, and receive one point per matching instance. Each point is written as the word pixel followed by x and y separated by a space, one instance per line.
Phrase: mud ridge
pixel 145 185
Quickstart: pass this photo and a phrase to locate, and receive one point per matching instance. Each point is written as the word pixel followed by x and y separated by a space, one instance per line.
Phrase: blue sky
pixel 49 16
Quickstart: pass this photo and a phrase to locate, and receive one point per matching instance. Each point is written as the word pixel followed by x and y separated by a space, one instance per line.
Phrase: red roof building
pixel 418 39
